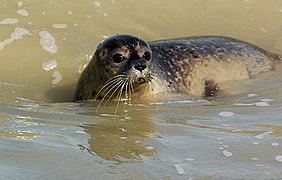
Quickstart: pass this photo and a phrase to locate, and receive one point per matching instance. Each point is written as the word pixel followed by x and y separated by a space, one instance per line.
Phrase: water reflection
pixel 121 138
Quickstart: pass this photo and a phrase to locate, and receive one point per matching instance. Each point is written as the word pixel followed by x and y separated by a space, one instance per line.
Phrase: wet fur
pixel 198 65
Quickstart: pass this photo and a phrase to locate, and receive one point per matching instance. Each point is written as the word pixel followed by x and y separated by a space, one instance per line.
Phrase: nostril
pixel 140 67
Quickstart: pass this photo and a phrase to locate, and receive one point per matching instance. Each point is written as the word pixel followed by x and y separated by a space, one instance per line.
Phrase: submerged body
pixel 126 67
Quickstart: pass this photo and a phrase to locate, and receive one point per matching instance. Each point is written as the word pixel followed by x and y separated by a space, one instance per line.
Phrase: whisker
pixel 120 43
pixel 119 96
pixel 117 84
pixel 108 83
pixel 120 84
pixel 126 94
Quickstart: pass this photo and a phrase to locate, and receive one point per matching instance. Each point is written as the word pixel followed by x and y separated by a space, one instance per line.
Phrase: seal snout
pixel 140 67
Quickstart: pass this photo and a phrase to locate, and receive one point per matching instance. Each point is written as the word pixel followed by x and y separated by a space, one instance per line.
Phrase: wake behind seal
pixel 127 67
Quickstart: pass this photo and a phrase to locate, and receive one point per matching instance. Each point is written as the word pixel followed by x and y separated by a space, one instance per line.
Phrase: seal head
pixel 121 64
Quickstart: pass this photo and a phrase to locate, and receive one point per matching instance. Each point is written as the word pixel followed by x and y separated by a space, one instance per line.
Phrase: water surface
pixel 43 135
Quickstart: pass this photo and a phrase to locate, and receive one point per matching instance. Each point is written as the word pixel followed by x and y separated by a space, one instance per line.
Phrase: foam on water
pixel 263 135
pixel 49 65
pixel 274 144
pixel 227 153
pixel 226 114
pixel 278 158
pixel 16 35
pixel 48 42
pixel 262 104
pixel 59 26
pixel 9 21
pixel 179 169
pixel 20 4
pixel 57 77
pixel 97 3
pixel 23 12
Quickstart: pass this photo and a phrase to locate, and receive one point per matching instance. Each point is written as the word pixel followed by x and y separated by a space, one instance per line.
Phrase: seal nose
pixel 140 67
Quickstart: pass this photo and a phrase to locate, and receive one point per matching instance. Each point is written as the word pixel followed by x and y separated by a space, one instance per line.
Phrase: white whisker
pixel 108 84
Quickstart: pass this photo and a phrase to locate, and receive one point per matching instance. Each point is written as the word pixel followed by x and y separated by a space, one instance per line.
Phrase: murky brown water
pixel 44 45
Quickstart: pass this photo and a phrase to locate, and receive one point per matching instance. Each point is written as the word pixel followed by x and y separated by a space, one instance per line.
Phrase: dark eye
pixel 147 56
pixel 117 58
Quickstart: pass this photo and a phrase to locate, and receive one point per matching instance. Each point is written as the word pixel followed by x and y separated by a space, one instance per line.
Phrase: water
pixel 43 135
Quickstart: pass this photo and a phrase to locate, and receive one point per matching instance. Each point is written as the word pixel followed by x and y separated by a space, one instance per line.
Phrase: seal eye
pixel 147 56
pixel 117 58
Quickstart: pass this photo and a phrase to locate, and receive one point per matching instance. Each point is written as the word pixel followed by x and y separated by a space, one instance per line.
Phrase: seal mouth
pixel 140 80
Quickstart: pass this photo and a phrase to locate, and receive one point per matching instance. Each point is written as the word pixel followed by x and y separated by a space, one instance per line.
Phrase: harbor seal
pixel 127 67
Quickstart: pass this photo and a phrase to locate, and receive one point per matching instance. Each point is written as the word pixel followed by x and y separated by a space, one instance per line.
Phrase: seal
pixel 126 67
